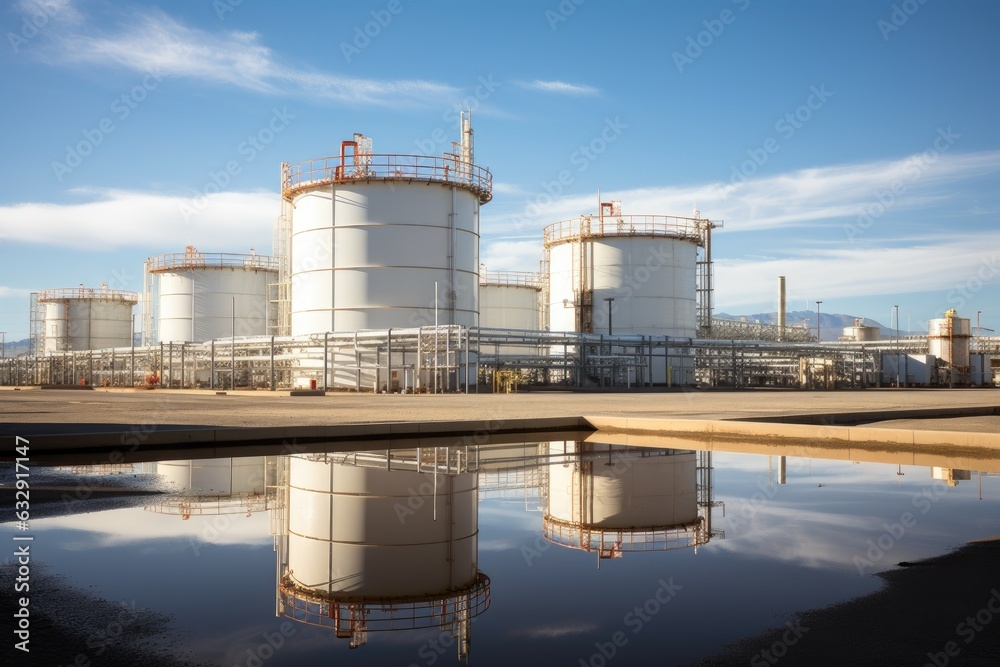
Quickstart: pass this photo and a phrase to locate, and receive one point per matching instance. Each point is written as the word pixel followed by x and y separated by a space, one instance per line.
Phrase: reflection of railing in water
pixel 447 460
pixel 187 506
pixel 613 542
pixel 354 616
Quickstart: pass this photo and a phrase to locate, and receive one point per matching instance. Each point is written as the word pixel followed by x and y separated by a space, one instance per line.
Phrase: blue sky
pixel 851 146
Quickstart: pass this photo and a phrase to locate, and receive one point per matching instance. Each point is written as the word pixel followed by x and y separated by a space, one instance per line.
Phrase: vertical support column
pixel 357 364
pixel 272 387
pixel 326 360
pixel 388 361
pixel 211 380
pixel 416 368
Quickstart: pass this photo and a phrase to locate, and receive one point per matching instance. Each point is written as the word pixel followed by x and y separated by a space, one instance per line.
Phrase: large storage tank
pixel 613 499
pixel 200 296
pixel 510 300
pixel 948 339
pixel 373 548
pixel 641 267
pixel 81 318
pixel 371 235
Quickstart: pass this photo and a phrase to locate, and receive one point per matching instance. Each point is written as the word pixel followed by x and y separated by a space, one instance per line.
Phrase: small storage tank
pixel 375 544
pixel 216 477
pixel 241 485
pixel 948 339
pixel 200 296
pixel 81 318
pixel 372 234
pixel 613 499
pixel 509 300
pixel 861 333
pixel 645 263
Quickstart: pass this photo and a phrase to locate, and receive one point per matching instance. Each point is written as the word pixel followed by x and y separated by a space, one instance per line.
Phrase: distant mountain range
pixel 831 324
pixel 12 348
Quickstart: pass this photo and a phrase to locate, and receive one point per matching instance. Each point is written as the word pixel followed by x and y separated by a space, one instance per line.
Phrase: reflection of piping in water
pixel 381 541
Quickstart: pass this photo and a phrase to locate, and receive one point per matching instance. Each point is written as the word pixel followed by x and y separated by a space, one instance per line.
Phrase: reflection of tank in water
pixel 217 486
pixel 611 499
pixel 373 542
pixel 951 476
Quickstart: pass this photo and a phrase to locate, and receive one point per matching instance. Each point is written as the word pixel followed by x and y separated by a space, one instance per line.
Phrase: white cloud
pixel 793 199
pixel 148 40
pixel 939 263
pixel 559 87
pixel 117 218
pixel 511 255
pixel 124 526
pixel 862 260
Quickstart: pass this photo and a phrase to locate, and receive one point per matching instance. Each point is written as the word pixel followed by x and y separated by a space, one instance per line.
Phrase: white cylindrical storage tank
pixel 363 532
pixel 633 492
pixel 200 296
pixel 80 318
pixel 861 333
pixel 948 339
pixel 372 234
pixel 646 264
pixel 216 477
pixel 510 300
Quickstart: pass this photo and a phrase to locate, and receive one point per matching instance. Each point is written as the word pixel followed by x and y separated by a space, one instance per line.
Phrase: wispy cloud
pixel 893 256
pixel 559 87
pixel 109 219
pixel 794 199
pixel 149 40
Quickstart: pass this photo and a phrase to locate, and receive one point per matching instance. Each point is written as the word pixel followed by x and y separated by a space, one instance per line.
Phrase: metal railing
pixel 216 260
pixel 511 279
pixel 335 169
pixel 103 293
pixel 588 226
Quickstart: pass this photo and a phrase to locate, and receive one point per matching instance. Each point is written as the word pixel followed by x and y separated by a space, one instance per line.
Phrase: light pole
pixel 610 300
pixel 819 338
pixel 979 330
pixel 3 344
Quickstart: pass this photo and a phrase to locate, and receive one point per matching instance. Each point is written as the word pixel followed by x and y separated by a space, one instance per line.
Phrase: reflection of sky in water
pixel 787 548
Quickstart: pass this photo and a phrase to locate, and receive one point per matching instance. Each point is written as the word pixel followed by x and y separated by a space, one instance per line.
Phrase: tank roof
pixel 389 168
pixel 102 293
pixel 658 226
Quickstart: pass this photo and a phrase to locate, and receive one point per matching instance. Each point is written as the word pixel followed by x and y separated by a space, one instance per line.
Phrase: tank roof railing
pixel 510 279
pixel 409 612
pixel 449 170
pixel 179 261
pixel 592 226
pixel 102 293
